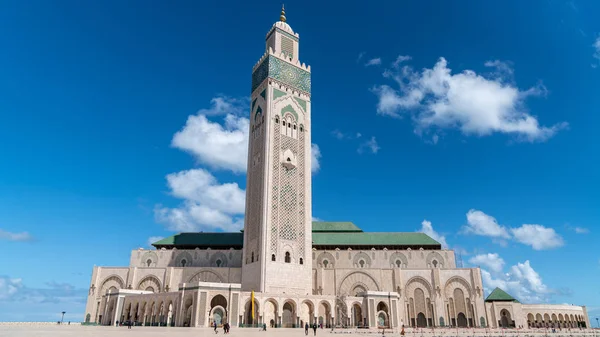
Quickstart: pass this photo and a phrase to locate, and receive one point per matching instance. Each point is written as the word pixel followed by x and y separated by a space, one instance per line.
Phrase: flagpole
pixel 252 305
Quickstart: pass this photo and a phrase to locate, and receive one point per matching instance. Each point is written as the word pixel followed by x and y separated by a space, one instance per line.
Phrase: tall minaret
pixel 278 226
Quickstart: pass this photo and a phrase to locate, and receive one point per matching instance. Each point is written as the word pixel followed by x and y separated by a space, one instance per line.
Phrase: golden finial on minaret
pixel 282 17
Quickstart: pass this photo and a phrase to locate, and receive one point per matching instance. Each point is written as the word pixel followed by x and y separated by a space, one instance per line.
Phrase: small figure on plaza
pixel 306 329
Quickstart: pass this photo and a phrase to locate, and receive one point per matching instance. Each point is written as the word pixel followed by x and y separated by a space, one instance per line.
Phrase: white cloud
pixel 208 205
pixel 596 46
pixel 215 145
pixel 521 281
pixel 199 186
pixel 427 228
pixel 489 261
pixel 154 239
pixel 223 105
pixel 470 102
pixel 537 236
pixel 479 223
pixel 338 134
pixel 581 230
pixel 10 236
pixel 371 145
pixel 314 218
pixel 9 287
pixel 400 59
pixel 315 157
pixel 360 56
pixel 373 62
pixel 503 69
pixel 13 290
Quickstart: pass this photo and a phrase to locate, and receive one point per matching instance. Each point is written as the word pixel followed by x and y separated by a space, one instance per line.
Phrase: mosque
pixel 285 270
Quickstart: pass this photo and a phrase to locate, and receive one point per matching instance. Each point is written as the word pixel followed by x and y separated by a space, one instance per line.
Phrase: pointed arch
pixel 149 281
pixel 206 276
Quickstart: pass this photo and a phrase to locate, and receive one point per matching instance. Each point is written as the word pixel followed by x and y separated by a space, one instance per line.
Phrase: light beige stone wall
pixel 193 258
pixel 538 315
pixel 408 259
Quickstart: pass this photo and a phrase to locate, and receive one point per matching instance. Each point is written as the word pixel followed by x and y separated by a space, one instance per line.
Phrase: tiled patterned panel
pixel 289 74
pixel 281 71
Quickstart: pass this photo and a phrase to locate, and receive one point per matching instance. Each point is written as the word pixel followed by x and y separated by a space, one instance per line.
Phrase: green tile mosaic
pixel 288 108
pixel 278 93
pixel 281 71
pixel 301 102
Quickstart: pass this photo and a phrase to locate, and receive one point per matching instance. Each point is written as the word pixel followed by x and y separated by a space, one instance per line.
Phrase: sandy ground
pixel 98 331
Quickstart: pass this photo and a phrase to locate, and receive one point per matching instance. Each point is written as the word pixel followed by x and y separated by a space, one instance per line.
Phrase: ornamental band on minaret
pixel 285 270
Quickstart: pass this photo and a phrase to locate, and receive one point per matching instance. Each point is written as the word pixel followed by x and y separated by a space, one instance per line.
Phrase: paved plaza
pixel 101 331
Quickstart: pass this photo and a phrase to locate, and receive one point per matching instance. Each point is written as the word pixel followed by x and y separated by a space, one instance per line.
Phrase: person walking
pixel 306 329
pixel 315 329
pixel 215 326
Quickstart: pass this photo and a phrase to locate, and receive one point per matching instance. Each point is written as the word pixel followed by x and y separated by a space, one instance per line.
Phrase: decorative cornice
pixel 295 38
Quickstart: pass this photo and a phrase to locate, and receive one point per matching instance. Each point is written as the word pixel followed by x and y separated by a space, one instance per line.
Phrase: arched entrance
pixel 171 315
pixel 324 314
pixel 421 320
pixel 187 309
pixel 461 320
pixel 382 315
pixel 218 308
pixel 505 320
pixel 288 316
pixel 248 320
pixel 270 313
pixel 357 317
pixel 306 313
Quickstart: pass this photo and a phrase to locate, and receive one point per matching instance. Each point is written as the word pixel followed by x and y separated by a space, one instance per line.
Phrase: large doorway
pixel 218 307
pixel 248 317
pixel 288 316
pixel 421 320
pixel 505 319
pixel 461 320
pixel 357 317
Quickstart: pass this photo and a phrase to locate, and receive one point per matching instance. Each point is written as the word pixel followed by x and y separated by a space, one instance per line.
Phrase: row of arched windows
pixel 289 127
pixel 287 258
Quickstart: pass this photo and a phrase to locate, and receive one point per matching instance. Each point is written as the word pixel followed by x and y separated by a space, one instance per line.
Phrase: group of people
pixel 314 328
pixel 226 327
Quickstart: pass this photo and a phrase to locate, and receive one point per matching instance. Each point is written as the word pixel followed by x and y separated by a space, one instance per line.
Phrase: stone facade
pixel 407 282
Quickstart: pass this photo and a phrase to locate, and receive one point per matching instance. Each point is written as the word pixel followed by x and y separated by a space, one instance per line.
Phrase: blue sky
pixel 472 121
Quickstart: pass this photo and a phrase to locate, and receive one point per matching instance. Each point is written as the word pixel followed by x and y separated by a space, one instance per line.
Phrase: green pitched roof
pixel 501 296
pixel 322 226
pixel 203 239
pixel 372 239
pixel 324 234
